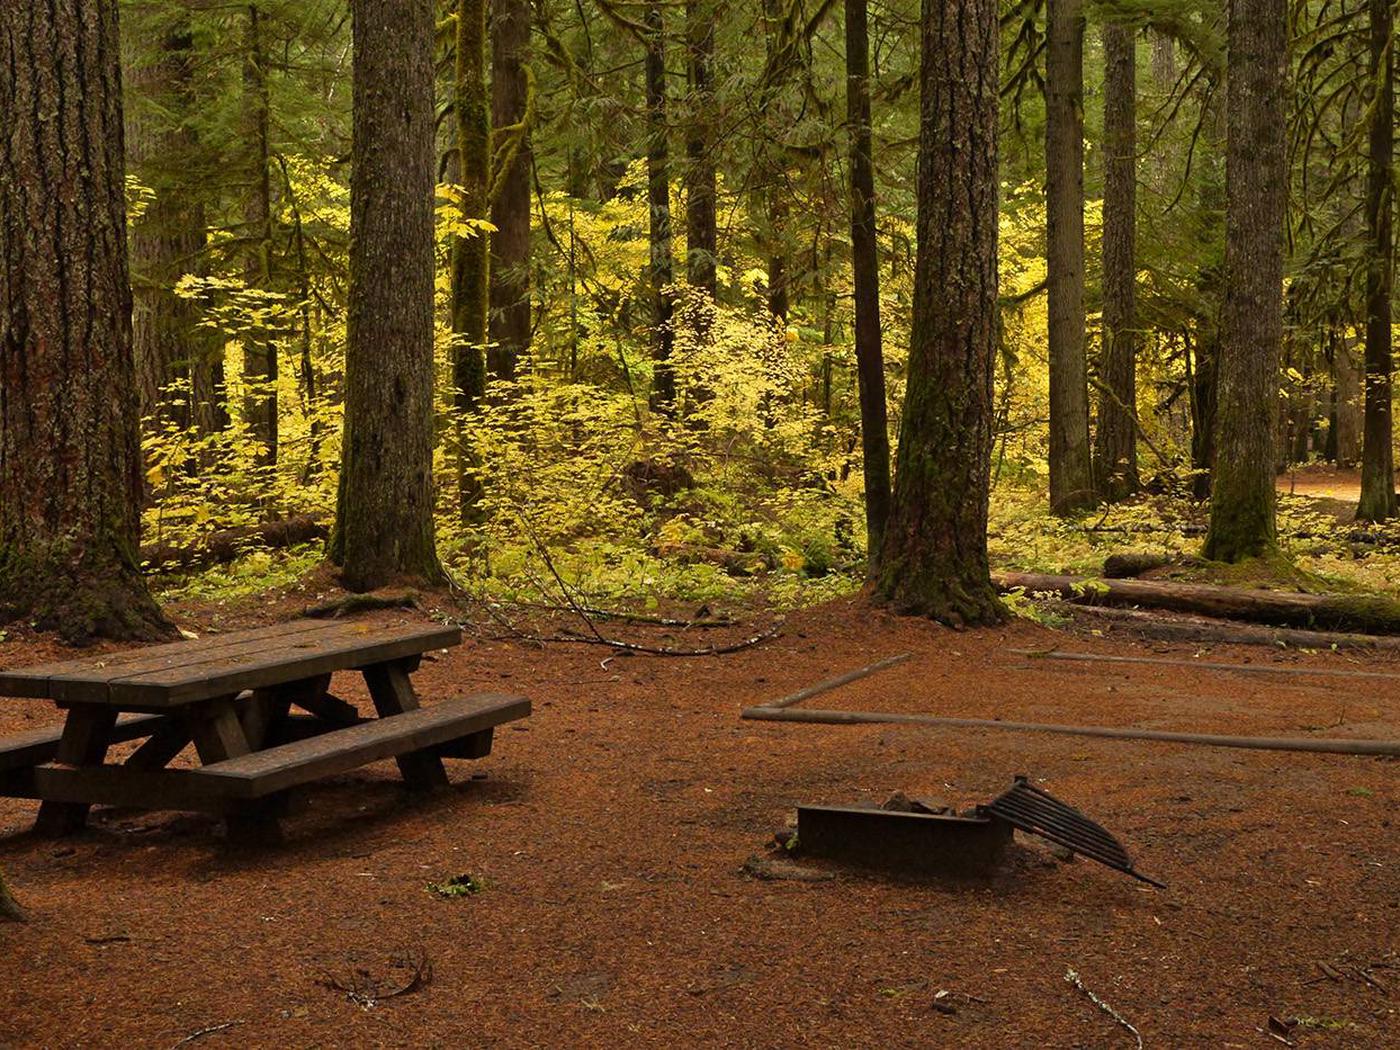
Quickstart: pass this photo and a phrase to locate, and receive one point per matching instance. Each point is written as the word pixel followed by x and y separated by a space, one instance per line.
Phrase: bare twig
pixel 1073 978
pixel 367 991
pixel 596 637
pixel 206 1031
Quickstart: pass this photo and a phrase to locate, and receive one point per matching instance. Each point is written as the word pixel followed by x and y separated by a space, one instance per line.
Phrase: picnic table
pixel 233 697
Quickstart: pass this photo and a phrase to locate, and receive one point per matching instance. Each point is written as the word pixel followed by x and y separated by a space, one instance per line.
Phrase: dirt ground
pixel 612 830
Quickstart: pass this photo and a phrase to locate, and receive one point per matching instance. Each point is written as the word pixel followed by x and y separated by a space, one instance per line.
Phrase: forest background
pixel 744 479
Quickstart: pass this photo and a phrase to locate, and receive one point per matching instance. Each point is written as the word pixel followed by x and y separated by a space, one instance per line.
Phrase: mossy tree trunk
pixel 70 460
pixel 1377 452
pixel 1071 477
pixel 1115 441
pixel 663 394
pixel 384 512
pixel 1242 522
pixel 865 265
pixel 934 558
pixel 509 293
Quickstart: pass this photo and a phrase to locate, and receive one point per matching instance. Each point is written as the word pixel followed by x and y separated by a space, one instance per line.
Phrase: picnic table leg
pixel 393 694
pixel 86 736
pixel 218 735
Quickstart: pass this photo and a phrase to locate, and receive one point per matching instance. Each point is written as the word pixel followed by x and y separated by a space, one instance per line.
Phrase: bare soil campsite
pixel 627 892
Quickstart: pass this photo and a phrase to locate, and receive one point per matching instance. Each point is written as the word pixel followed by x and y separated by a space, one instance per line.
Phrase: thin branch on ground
pixel 206 1031
pixel 1072 977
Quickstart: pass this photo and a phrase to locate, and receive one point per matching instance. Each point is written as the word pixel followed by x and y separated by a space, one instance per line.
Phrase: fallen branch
pixel 227 545
pixel 666 650
pixel 1322 745
pixel 1369 613
pixel 367 991
pixel 1206 665
pixel 1197 629
pixel 1073 978
pixel 596 637
pixel 205 1031
pixel 838 681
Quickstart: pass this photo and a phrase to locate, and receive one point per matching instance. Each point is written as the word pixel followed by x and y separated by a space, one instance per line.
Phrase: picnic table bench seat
pixel 434 729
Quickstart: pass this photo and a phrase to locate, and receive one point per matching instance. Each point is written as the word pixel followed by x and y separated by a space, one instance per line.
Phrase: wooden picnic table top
pixel 166 676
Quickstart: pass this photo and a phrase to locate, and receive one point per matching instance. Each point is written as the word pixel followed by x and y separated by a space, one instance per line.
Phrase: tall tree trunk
pixel 1116 440
pixel 865 266
pixel 1210 290
pixel 70 462
pixel 510 196
pixel 1377 455
pixel 659 207
pixel 384 510
pixel 773 174
pixel 934 558
pixel 1242 497
pixel 471 256
pixel 167 239
pixel 1071 479
pixel 259 351
pixel 701 235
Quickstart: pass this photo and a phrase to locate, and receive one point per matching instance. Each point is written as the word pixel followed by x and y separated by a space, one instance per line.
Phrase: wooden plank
pixel 41 745
pixel 114 785
pixel 316 656
pixel 392 692
pixel 34 681
pixel 86 736
pixel 276 769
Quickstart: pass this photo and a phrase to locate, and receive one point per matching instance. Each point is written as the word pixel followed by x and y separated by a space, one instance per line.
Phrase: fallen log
pixel 1367 613
pixel 1291 670
pixel 1197 629
pixel 219 548
pixel 1127 564
pixel 1322 745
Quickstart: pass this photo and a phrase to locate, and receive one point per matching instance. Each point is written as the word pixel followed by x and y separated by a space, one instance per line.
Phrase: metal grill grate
pixel 1038 812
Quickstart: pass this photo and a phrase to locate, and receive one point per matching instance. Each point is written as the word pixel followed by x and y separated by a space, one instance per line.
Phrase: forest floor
pixel 611 832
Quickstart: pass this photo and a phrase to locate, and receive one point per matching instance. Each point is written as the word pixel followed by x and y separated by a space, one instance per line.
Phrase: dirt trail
pixel 612 829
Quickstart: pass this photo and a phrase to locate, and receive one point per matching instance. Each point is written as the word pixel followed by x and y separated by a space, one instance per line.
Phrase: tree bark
pixel 166 241
pixel 1116 469
pixel 70 462
pixel 659 208
pixel 259 351
pixel 384 511
pixel 1071 477
pixel 934 558
pixel 1242 521
pixel 865 266
pixel 510 193
pixel 1377 453
pixel 701 236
